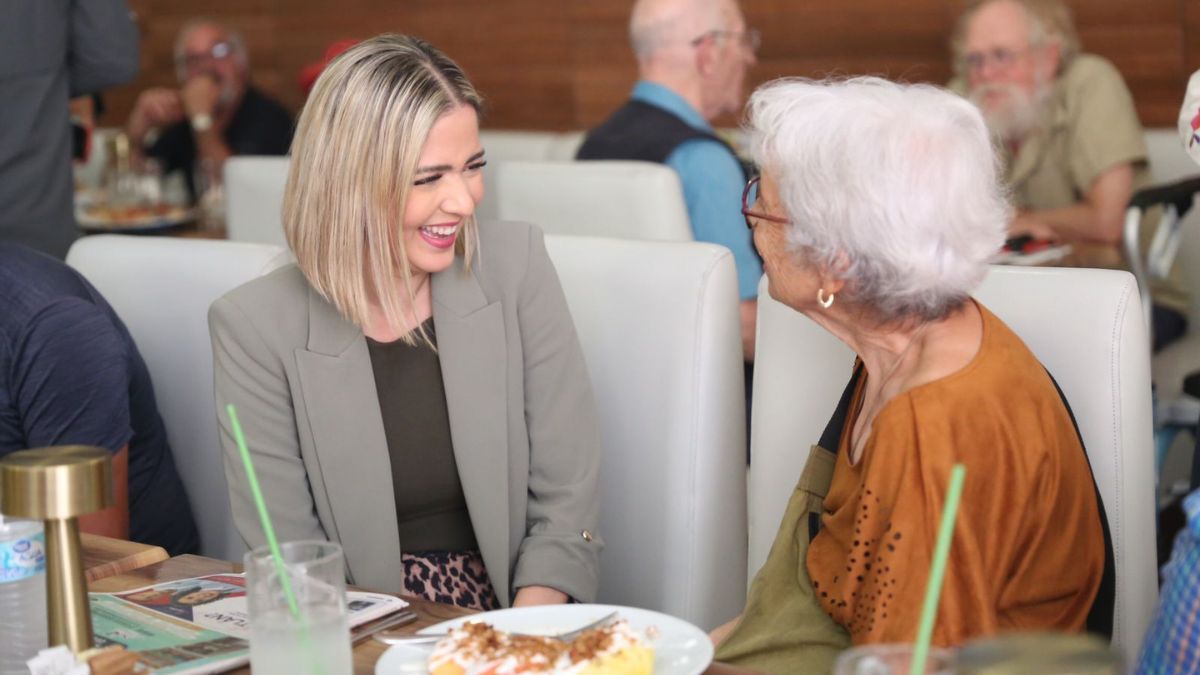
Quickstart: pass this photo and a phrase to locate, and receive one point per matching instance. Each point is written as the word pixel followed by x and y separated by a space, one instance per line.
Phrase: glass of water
pixel 890 659
pixel 317 640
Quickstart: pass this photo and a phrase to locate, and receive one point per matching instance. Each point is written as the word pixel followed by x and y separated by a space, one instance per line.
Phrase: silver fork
pixel 424 638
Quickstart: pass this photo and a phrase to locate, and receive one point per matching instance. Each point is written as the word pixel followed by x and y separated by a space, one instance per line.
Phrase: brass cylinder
pixel 57 485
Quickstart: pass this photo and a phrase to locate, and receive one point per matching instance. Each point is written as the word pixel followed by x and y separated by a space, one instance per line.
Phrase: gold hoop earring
pixel 822 300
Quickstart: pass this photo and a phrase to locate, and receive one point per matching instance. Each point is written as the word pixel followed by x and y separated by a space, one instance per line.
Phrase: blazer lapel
pixel 471 344
pixel 351 449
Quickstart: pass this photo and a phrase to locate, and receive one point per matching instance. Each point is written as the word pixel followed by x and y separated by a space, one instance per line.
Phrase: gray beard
pixel 1018 116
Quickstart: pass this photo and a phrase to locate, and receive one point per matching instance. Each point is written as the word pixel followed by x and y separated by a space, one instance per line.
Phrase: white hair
pixel 237 44
pixel 655 24
pixel 893 188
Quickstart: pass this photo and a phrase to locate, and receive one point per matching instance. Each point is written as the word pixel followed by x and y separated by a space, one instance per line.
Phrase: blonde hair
pixel 1050 22
pixel 354 156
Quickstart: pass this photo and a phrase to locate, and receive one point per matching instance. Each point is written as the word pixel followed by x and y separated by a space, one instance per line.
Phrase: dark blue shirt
pixel 71 374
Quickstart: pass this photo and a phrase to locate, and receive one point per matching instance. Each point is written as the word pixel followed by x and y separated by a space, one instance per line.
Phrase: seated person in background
pixel 692 60
pixel 214 114
pixel 413 387
pixel 1067 130
pixel 876 213
pixel 70 374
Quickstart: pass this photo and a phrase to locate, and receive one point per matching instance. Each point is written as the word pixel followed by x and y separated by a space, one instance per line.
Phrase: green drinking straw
pixel 933 588
pixel 272 542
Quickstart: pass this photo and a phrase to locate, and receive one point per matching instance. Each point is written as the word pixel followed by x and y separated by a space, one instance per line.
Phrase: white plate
pixel 679 647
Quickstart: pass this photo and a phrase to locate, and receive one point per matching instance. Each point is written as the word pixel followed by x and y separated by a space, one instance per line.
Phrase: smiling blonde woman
pixel 413 387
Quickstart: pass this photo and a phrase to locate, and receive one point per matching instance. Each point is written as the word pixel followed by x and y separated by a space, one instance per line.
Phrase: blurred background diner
pixel 617 127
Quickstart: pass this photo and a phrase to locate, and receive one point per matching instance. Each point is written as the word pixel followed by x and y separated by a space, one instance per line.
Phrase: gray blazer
pixel 522 418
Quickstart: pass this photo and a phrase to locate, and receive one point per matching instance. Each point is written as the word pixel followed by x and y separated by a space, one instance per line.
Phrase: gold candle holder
pixel 57 485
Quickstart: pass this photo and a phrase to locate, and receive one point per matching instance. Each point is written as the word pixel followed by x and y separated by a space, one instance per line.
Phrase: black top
pixel 71 374
pixel 641 131
pixel 431 509
pixel 259 127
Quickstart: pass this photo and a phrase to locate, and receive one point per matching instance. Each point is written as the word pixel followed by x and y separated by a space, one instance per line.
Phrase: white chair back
pixel 1083 324
pixel 506 145
pixel 161 288
pixel 620 199
pixel 659 327
pixel 254 198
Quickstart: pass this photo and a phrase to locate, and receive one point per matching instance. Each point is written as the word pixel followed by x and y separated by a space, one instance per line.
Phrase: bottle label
pixel 22 558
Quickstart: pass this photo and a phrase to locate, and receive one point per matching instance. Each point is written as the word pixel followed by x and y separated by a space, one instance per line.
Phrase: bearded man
pixel 1066 128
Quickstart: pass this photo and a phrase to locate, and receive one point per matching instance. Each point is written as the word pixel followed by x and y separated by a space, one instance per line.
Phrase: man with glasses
pixel 692 60
pixel 1066 127
pixel 214 114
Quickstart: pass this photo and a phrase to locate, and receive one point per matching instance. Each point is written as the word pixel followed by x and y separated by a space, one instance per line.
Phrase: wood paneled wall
pixel 564 64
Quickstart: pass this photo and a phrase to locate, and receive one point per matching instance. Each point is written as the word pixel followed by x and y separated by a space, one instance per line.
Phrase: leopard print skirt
pixel 451 577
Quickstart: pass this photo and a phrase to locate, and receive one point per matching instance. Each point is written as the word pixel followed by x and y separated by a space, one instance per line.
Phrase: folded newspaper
pixel 199 625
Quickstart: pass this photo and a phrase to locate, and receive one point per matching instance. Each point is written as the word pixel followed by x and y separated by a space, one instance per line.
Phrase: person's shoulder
pixel 264 104
pixel 277 300
pixel 505 250
pixel 1090 74
pixel 31 280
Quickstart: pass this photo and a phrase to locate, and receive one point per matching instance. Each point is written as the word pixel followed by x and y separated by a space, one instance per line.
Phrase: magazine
pixel 198 625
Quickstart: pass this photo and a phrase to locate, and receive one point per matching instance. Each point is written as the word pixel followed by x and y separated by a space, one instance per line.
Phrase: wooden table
pixel 105 557
pixel 366 653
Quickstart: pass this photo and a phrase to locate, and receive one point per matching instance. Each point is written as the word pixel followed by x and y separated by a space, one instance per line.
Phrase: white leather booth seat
pixel 504 145
pixel 622 199
pixel 161 288
pixel 254 198
pixel 659 327
pixel 1084 325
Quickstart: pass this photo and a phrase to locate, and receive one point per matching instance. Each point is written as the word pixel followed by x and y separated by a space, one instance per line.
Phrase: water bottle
pixel 22 593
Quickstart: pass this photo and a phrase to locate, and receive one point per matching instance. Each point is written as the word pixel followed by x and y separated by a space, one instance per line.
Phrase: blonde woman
pixel 413 387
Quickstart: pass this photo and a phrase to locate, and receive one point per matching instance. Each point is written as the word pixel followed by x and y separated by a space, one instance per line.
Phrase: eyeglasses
pixel 1000 58
pixel 749 38
pixel 751 186
pixel 218 52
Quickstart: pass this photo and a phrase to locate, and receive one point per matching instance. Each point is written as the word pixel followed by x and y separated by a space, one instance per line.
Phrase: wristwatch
pixel 201 122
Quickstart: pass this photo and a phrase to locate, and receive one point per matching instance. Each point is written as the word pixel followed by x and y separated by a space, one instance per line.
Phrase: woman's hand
pixel 539 595
pixel 721 632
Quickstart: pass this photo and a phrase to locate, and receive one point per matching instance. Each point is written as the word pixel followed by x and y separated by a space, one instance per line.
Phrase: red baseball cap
pixel 309 74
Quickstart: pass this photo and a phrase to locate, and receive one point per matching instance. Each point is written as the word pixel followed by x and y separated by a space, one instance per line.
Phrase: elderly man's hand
pixel 157 108
pixel 1029 224
pixel 200 96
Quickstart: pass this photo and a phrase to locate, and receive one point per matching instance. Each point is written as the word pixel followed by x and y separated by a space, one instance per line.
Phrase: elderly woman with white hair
pixel 877 209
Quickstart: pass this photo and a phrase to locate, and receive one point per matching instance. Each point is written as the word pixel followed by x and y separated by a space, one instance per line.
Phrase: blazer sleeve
pixel 561 546
pixel 104 45
pixel 250 375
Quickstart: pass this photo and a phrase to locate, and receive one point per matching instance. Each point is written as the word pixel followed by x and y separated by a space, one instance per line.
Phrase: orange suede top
pixel 1028 548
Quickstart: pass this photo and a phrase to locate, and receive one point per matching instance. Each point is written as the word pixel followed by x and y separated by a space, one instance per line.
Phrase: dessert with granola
pixel 477 648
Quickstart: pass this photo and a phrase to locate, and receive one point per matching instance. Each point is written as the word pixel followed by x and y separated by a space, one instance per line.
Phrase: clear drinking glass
pixel 890 659
pixel 318 641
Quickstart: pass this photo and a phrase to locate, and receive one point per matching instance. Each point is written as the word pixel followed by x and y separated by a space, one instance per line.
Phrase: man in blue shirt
pixel 70 374
pixel 692 61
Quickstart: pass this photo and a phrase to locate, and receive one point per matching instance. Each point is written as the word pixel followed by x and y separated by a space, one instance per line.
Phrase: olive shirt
pixel 431 508
pixel 1089 126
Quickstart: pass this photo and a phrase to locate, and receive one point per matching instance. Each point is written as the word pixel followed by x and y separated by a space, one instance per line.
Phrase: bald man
pixel 1068 129
pixel 692 60
pixel 214 114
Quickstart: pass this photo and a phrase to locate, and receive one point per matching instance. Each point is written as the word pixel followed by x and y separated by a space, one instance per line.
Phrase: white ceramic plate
pixel 679 647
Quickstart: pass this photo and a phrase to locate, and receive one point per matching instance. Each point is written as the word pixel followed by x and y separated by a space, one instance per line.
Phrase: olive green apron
pixel 784 629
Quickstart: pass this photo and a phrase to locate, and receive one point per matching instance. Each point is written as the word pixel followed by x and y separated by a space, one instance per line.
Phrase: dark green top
pixel 430 506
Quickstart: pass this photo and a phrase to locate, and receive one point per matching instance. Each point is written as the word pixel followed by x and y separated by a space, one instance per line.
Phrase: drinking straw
pixel 263 517
pixel 933 588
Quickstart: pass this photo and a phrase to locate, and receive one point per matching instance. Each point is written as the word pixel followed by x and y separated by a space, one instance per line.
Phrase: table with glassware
pixel 366 653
